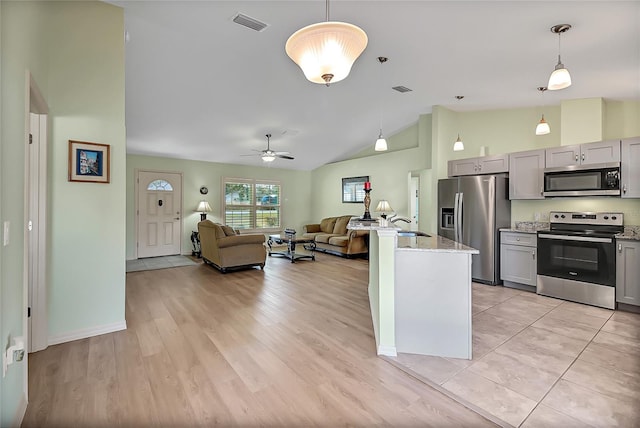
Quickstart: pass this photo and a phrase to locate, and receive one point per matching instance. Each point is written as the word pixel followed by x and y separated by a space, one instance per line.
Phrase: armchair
pixel 223 248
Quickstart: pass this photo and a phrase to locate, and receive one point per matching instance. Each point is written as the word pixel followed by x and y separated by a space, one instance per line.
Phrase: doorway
pixel 36 220
pixel 159 213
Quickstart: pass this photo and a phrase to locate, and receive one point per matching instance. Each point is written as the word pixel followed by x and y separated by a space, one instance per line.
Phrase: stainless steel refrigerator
pixel 471 210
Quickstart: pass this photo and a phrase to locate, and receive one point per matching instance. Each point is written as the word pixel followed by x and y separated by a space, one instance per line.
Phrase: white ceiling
pixel 199 86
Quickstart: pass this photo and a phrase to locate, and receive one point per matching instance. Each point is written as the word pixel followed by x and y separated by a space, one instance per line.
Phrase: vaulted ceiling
pixel 199 86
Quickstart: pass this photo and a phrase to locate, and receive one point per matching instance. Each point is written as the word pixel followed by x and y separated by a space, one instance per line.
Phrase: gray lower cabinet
pixel 518 259
pixel 630 168
pixel 628 272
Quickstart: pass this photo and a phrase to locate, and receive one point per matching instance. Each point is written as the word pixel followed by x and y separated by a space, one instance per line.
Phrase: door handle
pixel 533 255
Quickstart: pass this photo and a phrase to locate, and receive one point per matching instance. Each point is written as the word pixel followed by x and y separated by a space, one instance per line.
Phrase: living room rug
pixel 153 263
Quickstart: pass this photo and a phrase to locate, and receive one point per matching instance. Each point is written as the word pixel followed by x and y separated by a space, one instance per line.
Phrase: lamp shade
pixel 543 127
pixel 560 78
pixel 326 51
pixel 458 145
pixel 383 207
pixel 381 144
pixel 204 207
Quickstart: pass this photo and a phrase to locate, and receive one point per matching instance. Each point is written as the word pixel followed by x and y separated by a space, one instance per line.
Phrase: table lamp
pixel 384 208
pixel 203 209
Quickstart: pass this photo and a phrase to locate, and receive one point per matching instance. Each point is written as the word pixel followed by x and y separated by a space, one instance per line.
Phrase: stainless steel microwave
pixel 583 180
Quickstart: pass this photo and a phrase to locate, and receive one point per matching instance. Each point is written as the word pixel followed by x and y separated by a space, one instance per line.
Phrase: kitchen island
pixel 419 293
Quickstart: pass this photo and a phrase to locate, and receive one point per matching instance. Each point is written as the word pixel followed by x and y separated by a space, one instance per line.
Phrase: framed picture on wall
pixel 89 162
pixel 353 189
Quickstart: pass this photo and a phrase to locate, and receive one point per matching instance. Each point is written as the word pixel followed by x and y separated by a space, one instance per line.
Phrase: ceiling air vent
pixel 249 22
pixel 402 89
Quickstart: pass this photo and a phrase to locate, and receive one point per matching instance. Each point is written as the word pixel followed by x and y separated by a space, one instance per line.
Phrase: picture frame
pixel 353 189
pixel 89 162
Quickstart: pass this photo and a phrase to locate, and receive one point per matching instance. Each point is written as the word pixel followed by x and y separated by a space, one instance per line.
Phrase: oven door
pixel 581 258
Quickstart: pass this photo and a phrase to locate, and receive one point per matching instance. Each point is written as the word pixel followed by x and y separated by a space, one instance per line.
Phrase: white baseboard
pixel 389 351
pixel 87 332
pixel 22 409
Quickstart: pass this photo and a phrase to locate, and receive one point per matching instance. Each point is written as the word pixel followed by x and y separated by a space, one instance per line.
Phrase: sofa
pixel 331 236
pixel 223 248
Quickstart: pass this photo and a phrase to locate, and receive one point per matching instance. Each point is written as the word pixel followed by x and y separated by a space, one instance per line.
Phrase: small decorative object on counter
pixel 290 232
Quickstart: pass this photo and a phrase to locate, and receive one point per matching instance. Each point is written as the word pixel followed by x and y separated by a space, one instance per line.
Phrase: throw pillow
pixel 341 225
pixel 327 224
pixel 228 230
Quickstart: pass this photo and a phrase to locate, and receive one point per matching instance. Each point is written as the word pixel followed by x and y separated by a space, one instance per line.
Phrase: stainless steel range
pixel 577 259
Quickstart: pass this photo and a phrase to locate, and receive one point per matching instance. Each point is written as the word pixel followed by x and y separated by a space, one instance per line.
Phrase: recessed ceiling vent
pixel 402 89
pixel 249 22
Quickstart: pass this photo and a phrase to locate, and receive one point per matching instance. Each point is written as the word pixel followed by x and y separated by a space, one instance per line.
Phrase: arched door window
pixel 161 185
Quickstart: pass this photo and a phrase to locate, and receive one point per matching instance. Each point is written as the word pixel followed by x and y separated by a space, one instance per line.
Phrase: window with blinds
pixel 252 204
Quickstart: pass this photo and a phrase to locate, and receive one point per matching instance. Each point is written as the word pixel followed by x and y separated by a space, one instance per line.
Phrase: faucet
pixel 395 218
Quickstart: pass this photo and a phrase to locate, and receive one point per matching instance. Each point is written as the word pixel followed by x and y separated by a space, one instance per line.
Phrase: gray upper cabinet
pixel 630 168
pixel 526 174
pixel 628 272
pixel 583 154
pixel 493 164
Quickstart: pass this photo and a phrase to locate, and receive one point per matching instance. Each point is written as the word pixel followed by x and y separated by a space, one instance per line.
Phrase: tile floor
pixel 543 362
pixel 153 263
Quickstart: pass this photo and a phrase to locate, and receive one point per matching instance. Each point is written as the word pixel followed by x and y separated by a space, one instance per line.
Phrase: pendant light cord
pixel 380 95
pixel 327 10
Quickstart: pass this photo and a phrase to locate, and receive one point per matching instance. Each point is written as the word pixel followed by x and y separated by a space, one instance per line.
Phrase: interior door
pixel 159 213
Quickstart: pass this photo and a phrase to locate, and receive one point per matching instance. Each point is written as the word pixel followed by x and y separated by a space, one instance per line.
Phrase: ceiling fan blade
pixel 253 154
pixel 282 153
pixel 284 156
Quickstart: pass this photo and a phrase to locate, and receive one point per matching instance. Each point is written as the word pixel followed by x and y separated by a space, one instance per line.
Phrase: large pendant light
pixel 543 127
pixel 381 143
pixel 326 51
pixel 458 146
pixel 560 78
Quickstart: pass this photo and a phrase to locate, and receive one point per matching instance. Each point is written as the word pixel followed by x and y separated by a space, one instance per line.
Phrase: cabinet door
pixel 493 164
pixel 630 168
pixel 562 156
pixel 518 264
pixel 463 167
pixel 526 178
pixel 628 272
pixel 600 152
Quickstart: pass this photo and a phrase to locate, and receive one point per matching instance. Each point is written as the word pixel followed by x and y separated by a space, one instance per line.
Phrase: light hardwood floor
pixel 288 346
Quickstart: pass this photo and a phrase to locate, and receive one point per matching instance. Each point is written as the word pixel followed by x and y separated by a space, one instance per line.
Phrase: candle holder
pixel 367 201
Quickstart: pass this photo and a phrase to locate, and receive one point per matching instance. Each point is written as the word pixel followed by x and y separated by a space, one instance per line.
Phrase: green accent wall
pixel 75 52
pixel 296 191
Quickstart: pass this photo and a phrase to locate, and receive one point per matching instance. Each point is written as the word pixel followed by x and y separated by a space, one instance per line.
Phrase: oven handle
pixel 575 238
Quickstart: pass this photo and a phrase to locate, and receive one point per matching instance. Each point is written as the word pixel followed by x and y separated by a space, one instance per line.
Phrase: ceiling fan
pixel 269 155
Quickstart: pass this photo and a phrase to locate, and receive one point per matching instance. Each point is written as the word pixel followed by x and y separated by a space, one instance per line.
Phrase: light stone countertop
pixel 631 233
pixel 433 243
pixel 527 227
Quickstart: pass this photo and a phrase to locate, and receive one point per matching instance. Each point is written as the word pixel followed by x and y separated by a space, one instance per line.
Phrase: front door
pixel 159 213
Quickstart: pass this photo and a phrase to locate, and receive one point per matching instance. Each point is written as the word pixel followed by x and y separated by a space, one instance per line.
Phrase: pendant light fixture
pixel 560 78
pixel 381 143
pixel 458 145
pixel 543 127
pixel 327 50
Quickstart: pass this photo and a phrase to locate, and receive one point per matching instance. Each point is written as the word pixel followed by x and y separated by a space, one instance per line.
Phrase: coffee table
pixel 291 241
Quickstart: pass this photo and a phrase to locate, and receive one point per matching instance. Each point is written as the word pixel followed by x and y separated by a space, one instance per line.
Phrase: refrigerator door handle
pixel 460 208
pixel 455 217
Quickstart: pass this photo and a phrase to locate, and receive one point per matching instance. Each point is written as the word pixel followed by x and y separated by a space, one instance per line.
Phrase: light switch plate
pixel 5 233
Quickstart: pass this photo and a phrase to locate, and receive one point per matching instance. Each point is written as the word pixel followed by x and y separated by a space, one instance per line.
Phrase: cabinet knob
pixel 619 248
pixel 517 239
pixel 624 189
pixel 583 156
pixel 533 254
pixel 576 157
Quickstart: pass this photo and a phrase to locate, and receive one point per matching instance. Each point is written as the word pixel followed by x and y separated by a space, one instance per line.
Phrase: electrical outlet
pixel 5 233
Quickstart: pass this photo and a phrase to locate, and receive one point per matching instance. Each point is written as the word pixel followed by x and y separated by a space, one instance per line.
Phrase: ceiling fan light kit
pixel 560 77
pixel 327 50
pixel 268 155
